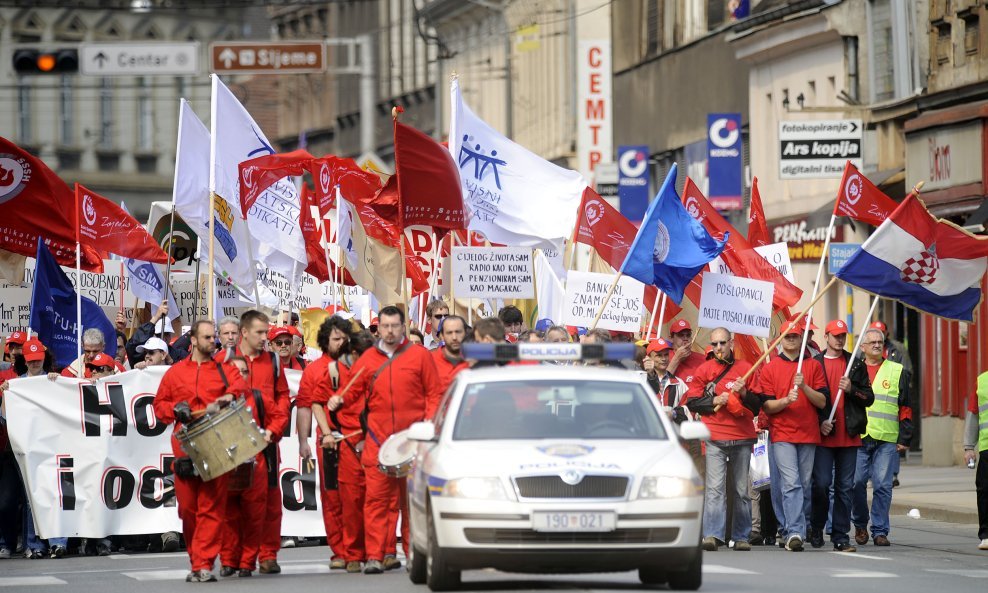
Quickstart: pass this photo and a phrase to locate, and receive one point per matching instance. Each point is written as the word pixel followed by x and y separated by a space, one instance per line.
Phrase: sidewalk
pixel 940 493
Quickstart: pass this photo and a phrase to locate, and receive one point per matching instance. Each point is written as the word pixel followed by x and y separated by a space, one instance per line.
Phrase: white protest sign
pixel 741 305
pixel 777 254
pixel 585 293
pixel 103 288
pixel 15 309
pixel 493 272
pixel 90 473
pixel 184 291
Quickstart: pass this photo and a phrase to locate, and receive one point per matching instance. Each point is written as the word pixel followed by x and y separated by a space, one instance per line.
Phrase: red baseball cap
pixel 34 350
pixel 275 332
pixel 374 321
pixel 17 337
pixel 679 325
pixel 792 327
pixel 837 327
pixel 659 345
pixel 879 326
pixel 102 360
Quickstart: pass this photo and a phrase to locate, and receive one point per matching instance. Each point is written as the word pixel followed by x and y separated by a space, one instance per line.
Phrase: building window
pixel 24 134
pixel 145 140
pixel 66 109
pixel 943 43
pixel 106 113
pixel 883 76
pixel 972 33
pixel 653 27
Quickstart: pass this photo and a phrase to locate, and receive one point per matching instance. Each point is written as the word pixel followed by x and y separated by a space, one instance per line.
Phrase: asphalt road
pixel 926 557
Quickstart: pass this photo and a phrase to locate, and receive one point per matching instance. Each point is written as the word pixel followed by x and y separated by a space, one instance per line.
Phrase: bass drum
pixel 396 456
pixel 218 443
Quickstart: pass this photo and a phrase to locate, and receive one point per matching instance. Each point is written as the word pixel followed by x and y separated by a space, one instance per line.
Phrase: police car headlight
pixel 665 487
pixel 479 488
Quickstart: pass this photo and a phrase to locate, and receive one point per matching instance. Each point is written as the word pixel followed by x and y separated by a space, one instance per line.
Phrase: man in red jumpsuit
pixel 319 379
pixel 449 357
pixel 400 385
pixel 266 376
pixel 194 384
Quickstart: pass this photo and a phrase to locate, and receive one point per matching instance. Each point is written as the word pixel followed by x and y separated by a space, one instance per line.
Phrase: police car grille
pixel 657 535
pixel 588 487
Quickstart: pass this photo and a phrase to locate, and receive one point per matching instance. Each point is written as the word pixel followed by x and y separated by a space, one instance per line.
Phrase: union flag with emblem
pixel 924 262
pixel 860 199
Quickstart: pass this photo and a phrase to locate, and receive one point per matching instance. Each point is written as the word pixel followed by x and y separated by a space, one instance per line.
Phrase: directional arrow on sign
pixel 854 127
pixel 227 56
pixel 100 58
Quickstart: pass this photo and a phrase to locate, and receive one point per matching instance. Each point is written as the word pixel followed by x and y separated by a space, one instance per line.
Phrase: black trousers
pixel 11 497
pixel 981 485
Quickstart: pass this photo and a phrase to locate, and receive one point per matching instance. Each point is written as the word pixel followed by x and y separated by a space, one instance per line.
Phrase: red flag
pixel 602 227
pixel 858 198
pixel 108 227
pixel 757 227
pixel 739 255
pixel 35 202
pixel 314 233
pixel 257 175
pixel 428 181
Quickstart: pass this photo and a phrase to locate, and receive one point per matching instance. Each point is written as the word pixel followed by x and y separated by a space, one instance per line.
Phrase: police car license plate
pixel 573 521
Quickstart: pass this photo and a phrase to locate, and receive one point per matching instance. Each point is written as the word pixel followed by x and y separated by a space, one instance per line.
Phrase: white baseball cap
pixel 153 344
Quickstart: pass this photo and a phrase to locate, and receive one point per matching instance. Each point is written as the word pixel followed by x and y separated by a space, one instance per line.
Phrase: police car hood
pixel 553 456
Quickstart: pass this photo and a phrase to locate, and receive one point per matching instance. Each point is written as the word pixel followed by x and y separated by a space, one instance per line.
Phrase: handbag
pixel 759 472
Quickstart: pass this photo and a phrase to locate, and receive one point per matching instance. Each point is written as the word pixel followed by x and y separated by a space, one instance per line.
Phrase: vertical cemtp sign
pixel 633 181
pixel 594 120
pixel 724 160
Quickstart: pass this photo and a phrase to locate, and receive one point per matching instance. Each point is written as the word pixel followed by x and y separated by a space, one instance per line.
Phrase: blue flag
pixel 53 312
pixel 671 246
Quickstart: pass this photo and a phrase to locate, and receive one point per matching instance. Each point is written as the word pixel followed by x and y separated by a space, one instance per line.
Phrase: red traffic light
pixel 34 61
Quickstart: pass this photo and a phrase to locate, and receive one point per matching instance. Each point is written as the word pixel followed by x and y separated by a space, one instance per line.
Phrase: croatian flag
pixel 924 262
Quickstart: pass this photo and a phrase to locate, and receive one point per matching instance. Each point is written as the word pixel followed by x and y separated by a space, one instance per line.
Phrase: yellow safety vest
pixel 883 415
pixel 983 412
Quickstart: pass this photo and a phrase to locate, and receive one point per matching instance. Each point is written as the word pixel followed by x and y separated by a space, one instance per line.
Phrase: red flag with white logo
pixel 258 174
pixel 35 202
pixel 860 199
pixel 108 227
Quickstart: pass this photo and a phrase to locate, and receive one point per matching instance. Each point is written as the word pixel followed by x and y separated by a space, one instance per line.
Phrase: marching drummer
pixel 400 384
pixel 191 387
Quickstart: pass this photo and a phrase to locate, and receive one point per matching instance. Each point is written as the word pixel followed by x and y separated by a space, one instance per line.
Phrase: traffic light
pixel 36 61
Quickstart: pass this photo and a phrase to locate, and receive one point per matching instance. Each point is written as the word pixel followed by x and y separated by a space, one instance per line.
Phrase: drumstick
pixel 349 384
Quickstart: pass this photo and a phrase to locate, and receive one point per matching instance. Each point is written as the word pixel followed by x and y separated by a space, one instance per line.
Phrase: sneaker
pixel 244 573
pixel 984 544
pixel 756 539
pixel 860 536
pixel 34 554
pixel 882 540
pixel 104 550
pixel 337 564
pixel 227 571
pixel 742 547
pixel 353 567
pixel 169 541
pixel 57 552
pixel 844 547
pixel 391 563
pixel 710 544
pixel 768 541
pixel 269 567
pixel 794 543
pixel 4 553
pixel 816 538
pixel 287 542
pixel 373 567
pixel 200 576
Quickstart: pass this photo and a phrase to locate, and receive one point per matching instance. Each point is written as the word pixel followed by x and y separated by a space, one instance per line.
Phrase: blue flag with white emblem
pixel 53 311
pixel 671 246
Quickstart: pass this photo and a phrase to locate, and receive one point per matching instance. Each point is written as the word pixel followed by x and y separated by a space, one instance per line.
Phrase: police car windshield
pixel 555 409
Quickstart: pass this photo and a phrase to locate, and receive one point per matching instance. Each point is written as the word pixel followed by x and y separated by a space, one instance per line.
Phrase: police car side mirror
pixel 425 431
pixel 694 431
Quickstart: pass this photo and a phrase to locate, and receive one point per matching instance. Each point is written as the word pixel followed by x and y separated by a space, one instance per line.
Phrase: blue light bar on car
pixel 547 351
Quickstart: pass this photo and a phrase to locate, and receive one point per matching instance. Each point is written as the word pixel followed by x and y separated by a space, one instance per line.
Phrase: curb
pixel 934 512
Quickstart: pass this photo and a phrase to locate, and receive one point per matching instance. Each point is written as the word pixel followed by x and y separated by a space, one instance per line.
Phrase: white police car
pixel 552 469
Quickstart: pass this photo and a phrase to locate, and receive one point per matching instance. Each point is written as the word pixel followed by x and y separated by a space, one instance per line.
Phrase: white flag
pixel 191 197
pixel 515 197
pixel 273 219
pixel 548 290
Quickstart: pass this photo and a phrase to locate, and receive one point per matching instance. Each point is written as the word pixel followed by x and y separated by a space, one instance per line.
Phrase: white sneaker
pixel 794 543
pixel 5 553
pixel 982 546
pixel 287 542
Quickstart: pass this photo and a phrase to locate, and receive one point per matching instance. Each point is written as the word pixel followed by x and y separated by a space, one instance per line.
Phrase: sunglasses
pixel 99 369
pixel 440 316
pixel 720 343
pixel 282 342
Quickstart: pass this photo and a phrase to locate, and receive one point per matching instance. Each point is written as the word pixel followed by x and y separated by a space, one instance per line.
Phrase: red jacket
pixel 277 400
pixel 199 385
pixel 733 421
pixel 313 386
pixel 834 370
pixel 800 422
pixel 447 367
pixel 406 391
pixel 688 367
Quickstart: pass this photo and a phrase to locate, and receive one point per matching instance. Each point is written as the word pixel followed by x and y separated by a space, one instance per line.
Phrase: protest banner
pixel 96 461
pixel 776 254
pixel 742 305
pixel 585 293
pixel 15 308
pixel 493 272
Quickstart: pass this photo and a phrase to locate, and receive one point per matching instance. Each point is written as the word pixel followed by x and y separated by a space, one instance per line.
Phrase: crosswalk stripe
pixel 305 569
pixel 862 556
pixel 29 581
pixel 721 569
pixel 147 556
pixel 863 574
pixel 157 575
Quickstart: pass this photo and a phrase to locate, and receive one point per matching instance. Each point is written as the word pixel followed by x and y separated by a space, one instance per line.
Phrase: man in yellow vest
pixel 889 431
pixel 976 435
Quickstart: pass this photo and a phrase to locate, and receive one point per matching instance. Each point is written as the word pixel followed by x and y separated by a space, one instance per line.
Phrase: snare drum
pixel 218 443
pixel 396 455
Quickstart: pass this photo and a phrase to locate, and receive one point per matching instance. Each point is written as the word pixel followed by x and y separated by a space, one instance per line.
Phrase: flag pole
pixel 816 285
pixel 607 299
pixel 662 316
pixel 122 285
pixel 321 224
pixel 655 306
pixel 168 262
pixel 452 281
pixel 847 370
pixel 212 240
pixel 78 289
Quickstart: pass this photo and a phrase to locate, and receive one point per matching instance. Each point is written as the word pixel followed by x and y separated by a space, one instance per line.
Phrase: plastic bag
pixel 759 472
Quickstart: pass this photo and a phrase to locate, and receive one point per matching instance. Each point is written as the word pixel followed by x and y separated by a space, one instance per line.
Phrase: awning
pixel 821 216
